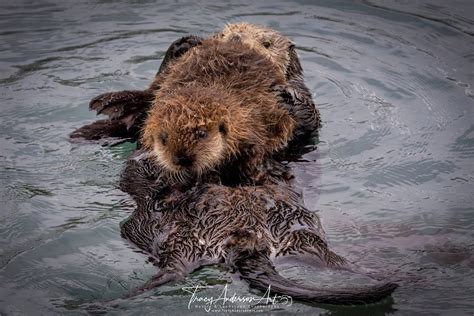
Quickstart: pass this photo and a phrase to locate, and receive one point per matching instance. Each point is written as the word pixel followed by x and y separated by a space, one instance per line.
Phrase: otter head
pixel 193 130
pixel 186 131
pixel 278 48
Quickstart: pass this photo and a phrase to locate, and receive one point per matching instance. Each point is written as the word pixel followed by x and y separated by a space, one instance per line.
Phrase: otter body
pixel 245 228
pixel 127 109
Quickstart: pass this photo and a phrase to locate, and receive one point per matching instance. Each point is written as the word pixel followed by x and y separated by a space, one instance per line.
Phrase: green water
pixel 392 178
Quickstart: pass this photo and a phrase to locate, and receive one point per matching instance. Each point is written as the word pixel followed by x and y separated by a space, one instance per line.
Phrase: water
pixel 392 177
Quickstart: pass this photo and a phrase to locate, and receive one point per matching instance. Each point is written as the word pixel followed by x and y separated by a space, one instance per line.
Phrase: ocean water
pixel 392 178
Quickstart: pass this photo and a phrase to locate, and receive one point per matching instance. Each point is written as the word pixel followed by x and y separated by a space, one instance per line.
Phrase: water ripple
pixel 451 20
pixel 409 173
pixel 119 36
pixel 464 144
pixel 392 176
pixel 42 64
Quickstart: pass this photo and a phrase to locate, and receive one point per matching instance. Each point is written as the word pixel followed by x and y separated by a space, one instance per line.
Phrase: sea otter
pixel 246 228
pixel 215 108
pixel 127 109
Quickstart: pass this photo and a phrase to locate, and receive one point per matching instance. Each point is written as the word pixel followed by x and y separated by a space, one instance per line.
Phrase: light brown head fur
pixel 216 105
pixel 278 48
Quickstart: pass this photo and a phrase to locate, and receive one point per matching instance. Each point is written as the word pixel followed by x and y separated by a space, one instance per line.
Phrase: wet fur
pixel 127 109
pixel 245 228
pixel 225 90
pixel 278 48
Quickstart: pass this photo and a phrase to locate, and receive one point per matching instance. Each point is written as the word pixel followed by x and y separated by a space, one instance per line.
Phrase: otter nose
pixel 183 160
pixel 236 38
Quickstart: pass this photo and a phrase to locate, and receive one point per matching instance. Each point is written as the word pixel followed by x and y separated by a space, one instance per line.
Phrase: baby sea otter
pixel 278 48
pixel 127 109
pixel 246 228
pixel 216 107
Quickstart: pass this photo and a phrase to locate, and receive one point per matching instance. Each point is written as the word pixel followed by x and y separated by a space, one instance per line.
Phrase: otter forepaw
pixel 182 45
pixel 286 95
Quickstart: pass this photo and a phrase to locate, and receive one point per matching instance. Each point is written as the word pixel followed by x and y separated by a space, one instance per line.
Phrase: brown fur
pixel 294 95
pixel 281 51
pixel 278 48
pixel 216 105
pixel 127 109
pixel 246 228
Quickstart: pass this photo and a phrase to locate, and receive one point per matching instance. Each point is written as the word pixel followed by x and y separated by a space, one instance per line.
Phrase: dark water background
pixel 392 178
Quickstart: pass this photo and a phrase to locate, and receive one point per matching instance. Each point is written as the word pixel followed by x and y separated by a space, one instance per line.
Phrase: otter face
pixel 188 139
pixel 188 149
pixel 268 42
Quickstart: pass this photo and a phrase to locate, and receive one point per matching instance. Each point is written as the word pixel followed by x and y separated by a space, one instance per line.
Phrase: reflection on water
pixel 392 177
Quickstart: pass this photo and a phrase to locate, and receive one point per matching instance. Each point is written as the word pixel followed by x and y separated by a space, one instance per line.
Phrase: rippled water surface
pixel 392 178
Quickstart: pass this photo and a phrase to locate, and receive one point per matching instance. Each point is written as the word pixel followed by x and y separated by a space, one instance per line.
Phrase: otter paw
pixel 182 45
pixel 286 95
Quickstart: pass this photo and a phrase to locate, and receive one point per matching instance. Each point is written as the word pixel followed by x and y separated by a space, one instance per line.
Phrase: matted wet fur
pixel 294 94
pixel 216 108
pixel 244 228
pixel 127 109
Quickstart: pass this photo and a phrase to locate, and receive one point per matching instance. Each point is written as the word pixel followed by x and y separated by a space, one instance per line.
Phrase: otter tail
pixel 257 269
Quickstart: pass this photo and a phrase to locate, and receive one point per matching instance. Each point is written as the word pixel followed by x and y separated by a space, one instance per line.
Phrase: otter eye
pixel 222 128
pixel 201 133
pixel 163 137
pixel 266 44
